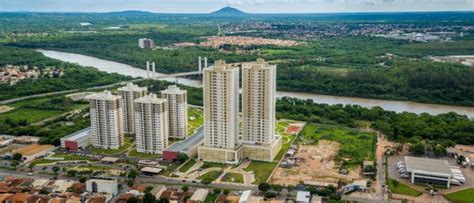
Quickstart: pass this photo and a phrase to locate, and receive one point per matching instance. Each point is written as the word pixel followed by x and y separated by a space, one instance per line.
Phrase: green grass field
pixel 400 188
pixel 134 153
pixel 287 139
pixel 355 146
pixel 198 119
pixel 127 144
pixel 463 196
pixel 67 157
pixel 211 176
pixel 261 170
pixel 32 115
pixel 233 177
pixel 187 165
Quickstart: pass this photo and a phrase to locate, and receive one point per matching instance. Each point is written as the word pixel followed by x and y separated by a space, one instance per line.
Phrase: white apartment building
pixel 177 111
pixel 106 120
pixel 130 93
pixel 146 43
pixel 258 102
pixel 221 114
pixel 151 122
pixel 258 111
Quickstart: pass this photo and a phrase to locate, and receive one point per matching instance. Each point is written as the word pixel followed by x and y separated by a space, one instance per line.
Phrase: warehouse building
pixel 78 140
pixel 432 171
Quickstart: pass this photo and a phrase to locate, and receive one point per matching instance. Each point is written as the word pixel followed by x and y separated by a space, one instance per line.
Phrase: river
pixel 397 106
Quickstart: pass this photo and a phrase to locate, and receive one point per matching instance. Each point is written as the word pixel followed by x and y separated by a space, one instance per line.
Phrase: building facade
pixel 106 115
pixel 258 111
pixel 130 93
pixel 221 114
pixel 151 122
pixel 177 111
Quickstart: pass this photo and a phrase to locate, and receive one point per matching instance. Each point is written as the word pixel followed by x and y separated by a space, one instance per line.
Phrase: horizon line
pixel 243 12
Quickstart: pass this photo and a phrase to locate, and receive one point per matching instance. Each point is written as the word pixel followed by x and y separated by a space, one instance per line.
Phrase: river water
pixel 397 106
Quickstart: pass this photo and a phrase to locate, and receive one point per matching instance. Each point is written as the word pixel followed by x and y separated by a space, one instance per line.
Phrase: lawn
pixel 355 146
pixel 210 176
pixel 170 169
pixel 287 139
pixel 233 177
pixel 463 196
pixel 261 170
pixel 25 110
pixel 187 165
pixel 211 198
pixel 127 144
pixel 67 157
pixel 401 188
pixel 195 119
pixel 134 153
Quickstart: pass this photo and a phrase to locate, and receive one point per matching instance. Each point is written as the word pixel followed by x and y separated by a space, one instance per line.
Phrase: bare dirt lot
pixel 4 109
pixel 316 164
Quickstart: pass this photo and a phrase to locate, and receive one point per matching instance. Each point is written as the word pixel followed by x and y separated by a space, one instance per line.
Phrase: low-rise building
pixel 432 171
pixel 34 151
pixel 102 186
pixel 198 196
pixel 78 140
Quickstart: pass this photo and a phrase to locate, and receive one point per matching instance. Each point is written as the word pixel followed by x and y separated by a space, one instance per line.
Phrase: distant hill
pixel 130 13
pixel 228 11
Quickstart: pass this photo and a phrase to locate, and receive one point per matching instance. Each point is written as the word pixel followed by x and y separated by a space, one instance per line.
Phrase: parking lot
pixel 467 172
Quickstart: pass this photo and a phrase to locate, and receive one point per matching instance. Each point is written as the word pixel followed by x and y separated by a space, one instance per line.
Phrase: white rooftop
pixel 199 195
pixel 428 165
pixel 173 89
pixel 151 98
pixel 151 170
pixel 245 196
pixel 78 135
pixel 105 95
pixel 303 196
pixel 132 88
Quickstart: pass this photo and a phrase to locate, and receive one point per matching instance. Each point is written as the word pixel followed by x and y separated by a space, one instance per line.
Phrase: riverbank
pixel 389 105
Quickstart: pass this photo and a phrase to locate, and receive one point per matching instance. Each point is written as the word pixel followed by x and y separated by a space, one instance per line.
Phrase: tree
pixel 417 149
pixel 290 188
pixel 217 191
pixel 206 182
pixel 17 156
pixel 132 174
pixel 226 192
pixel 14 164
pixel 71 173
pixel 55 169
pixel 31 166
pixel 277 188
pixel 82 179
pixel 148 188
pixel 149 198
pixel 182 157
pixel 185 188
pixel 439 151
pixel 130 183
pixel 133 200
pixel 264 187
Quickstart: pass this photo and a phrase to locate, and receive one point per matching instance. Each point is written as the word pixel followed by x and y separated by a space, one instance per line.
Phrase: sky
pixel 250 6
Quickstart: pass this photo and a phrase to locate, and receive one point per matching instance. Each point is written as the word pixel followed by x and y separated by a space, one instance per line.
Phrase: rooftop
pixel 188 143
pixel 303 196
pixel 33 149
pixel 428 165
pixel 173 89
pixel 132 87
pixel 220 66
pixel 151 98
pixel 79 134
pixel 151 170
pixel 105 95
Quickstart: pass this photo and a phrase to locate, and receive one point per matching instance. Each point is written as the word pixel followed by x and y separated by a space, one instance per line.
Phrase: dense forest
pixel 75 77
